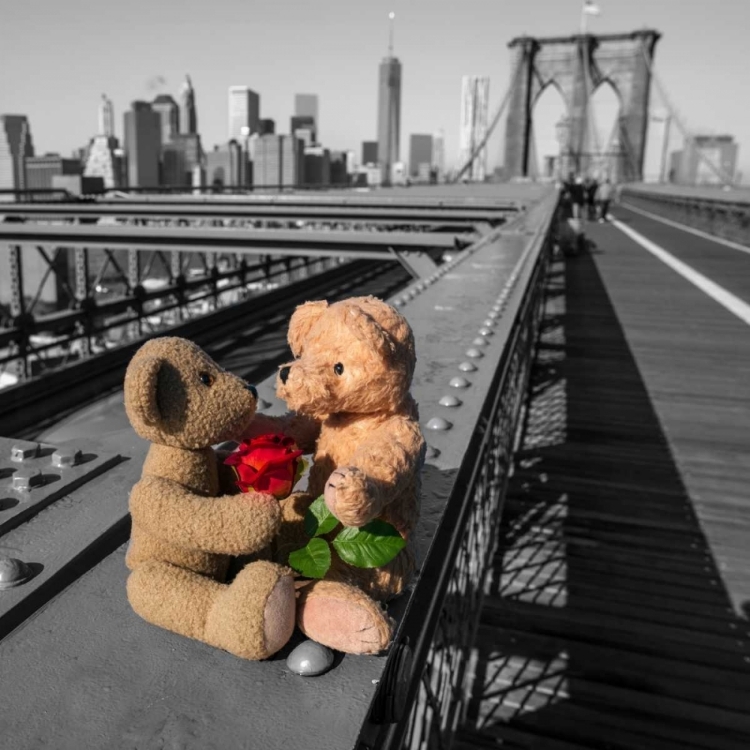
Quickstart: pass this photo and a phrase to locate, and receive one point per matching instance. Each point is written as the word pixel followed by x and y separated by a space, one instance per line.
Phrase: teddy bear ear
pixel 368 329
pixel 141 398
pixel 302 320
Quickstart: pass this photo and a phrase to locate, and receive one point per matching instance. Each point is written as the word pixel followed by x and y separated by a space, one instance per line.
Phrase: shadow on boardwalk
pixel 607 624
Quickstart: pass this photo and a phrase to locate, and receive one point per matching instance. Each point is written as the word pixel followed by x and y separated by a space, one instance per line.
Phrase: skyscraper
pixel 142 145
pixel 389 110
pixel 306 105
pixel 438 153
pixel 179 158
pixel 106 117
pixel 475 94
pixel 169 115
pixel 279 161
pixel 188 113
pixel 369 152
pixel 420 153
pixel 244 111
pixel 15 146
pixel 303 122
pixel 105 159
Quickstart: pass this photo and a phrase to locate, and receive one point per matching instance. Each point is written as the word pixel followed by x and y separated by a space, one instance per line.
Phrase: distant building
pixel 106 117
pixel 306 105
pixel 169 114
pixel 351 163
pixel 224 165
pixel 369 152
pixel 188 111
pixel 278 161
pixel 306 135
pixel 15 147
pixel 142 145
pixel 244 112
pixel 77 184
pixel 105 159
pixel 303 122
pixel 41 169
pixel 420 152
pixel 389 114
pixel 317 166
pixel 438 154
pixel 705 160
pixel 267 127
pixel 339 172
pixel 475 93
pixel 180 157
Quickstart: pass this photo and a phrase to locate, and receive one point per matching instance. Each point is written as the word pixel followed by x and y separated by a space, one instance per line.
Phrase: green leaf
pixel 318 519
pixel 313 560
pixel 370 546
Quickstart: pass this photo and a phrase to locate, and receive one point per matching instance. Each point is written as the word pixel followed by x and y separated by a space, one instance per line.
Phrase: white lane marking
pixel 728 300
pixel 684 228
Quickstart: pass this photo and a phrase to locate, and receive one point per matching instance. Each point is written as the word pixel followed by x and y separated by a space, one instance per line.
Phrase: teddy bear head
pixel 176 395
pixel 355 356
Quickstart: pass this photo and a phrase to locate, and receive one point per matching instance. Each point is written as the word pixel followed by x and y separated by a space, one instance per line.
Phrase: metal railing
pixel 425 689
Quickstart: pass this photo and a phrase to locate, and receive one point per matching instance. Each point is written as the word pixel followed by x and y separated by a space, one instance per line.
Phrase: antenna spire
pixel 391 16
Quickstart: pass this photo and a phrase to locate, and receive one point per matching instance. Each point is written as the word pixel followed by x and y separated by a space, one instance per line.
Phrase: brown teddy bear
pixel 349 390
pixel 184 532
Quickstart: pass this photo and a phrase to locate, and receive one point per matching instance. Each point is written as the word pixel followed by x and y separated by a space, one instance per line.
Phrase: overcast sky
pixel 58 56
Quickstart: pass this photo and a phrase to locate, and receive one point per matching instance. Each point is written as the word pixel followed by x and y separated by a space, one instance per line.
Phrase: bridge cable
pixel 687 136
pixel 498 114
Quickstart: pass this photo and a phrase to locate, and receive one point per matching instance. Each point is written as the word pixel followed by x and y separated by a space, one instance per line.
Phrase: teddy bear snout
pixel 284 373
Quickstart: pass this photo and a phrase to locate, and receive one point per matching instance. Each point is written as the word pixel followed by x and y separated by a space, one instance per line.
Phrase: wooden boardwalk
pixel 618 611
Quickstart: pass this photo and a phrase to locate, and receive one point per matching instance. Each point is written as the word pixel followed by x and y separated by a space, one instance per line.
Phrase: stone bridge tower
pixel 577 66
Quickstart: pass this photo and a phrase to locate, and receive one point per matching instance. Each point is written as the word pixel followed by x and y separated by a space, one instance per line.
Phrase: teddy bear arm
pixel 303 429
pixel 389 461
pixel 228 524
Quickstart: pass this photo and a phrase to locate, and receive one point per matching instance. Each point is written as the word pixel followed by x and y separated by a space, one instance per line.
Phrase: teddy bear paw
pixel 349 496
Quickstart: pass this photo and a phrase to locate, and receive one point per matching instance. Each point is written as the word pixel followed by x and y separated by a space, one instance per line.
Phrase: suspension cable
pixel 498 114
pixel 725 180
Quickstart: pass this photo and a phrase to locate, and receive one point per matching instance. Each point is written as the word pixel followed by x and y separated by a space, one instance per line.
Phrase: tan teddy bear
pixel 184 531
pixel 349 390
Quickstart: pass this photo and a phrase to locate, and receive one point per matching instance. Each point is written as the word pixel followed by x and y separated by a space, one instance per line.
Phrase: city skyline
pixel 429 47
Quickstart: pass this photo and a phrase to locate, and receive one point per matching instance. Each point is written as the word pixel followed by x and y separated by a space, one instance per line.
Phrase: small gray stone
pixel 310 659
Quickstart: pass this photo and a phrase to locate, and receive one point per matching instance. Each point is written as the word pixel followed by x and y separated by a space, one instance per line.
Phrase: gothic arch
pixel 578 65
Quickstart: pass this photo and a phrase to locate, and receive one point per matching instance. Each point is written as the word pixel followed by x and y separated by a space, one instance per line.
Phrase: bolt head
pixel 450 401
pixel 27 479
pixel 23 451
pixel 467 367
pixel 459 382
pixel 474 353
pixel 485 331
pixel 438 423
pixel 13 572
pixel 480 341
pixel 65 458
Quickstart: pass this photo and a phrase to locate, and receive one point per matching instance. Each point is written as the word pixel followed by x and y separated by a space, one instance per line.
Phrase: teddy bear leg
pixel 253 617
pixel 291 535
pixel 172 598
pixel 343 618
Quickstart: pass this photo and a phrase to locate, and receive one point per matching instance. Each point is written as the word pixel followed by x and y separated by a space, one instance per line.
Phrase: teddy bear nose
pixel 284 374
pixel 252 390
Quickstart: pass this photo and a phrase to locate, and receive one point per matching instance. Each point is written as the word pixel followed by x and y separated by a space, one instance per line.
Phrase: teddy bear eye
pixel 206 378
pixel 338 368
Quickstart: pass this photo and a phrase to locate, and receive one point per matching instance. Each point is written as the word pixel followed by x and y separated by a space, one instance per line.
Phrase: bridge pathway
pixel 618 611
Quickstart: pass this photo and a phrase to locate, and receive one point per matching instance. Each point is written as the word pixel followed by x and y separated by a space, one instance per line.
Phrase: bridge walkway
pixel 617 615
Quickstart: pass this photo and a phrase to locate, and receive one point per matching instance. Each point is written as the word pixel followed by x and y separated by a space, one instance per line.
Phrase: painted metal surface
pixel 106 678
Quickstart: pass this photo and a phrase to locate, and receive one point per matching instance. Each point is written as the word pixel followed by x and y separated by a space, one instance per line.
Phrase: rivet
pixel 64 458
pixel 438 423
pixel 27 479
pixel 398 302
pixel 493 314
pixel 485 331
pixel 22 451
pixel 480 341
pixel 467 367
pixel 474 353
pixel 262 404
pixel 420 286
pixel 430 451
pixel 310 659
pixel 13 572
pixel 459 382
pixel 489 323
pixel 450 401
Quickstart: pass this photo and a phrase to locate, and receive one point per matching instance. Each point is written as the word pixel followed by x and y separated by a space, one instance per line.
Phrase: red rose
pixel 269 463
